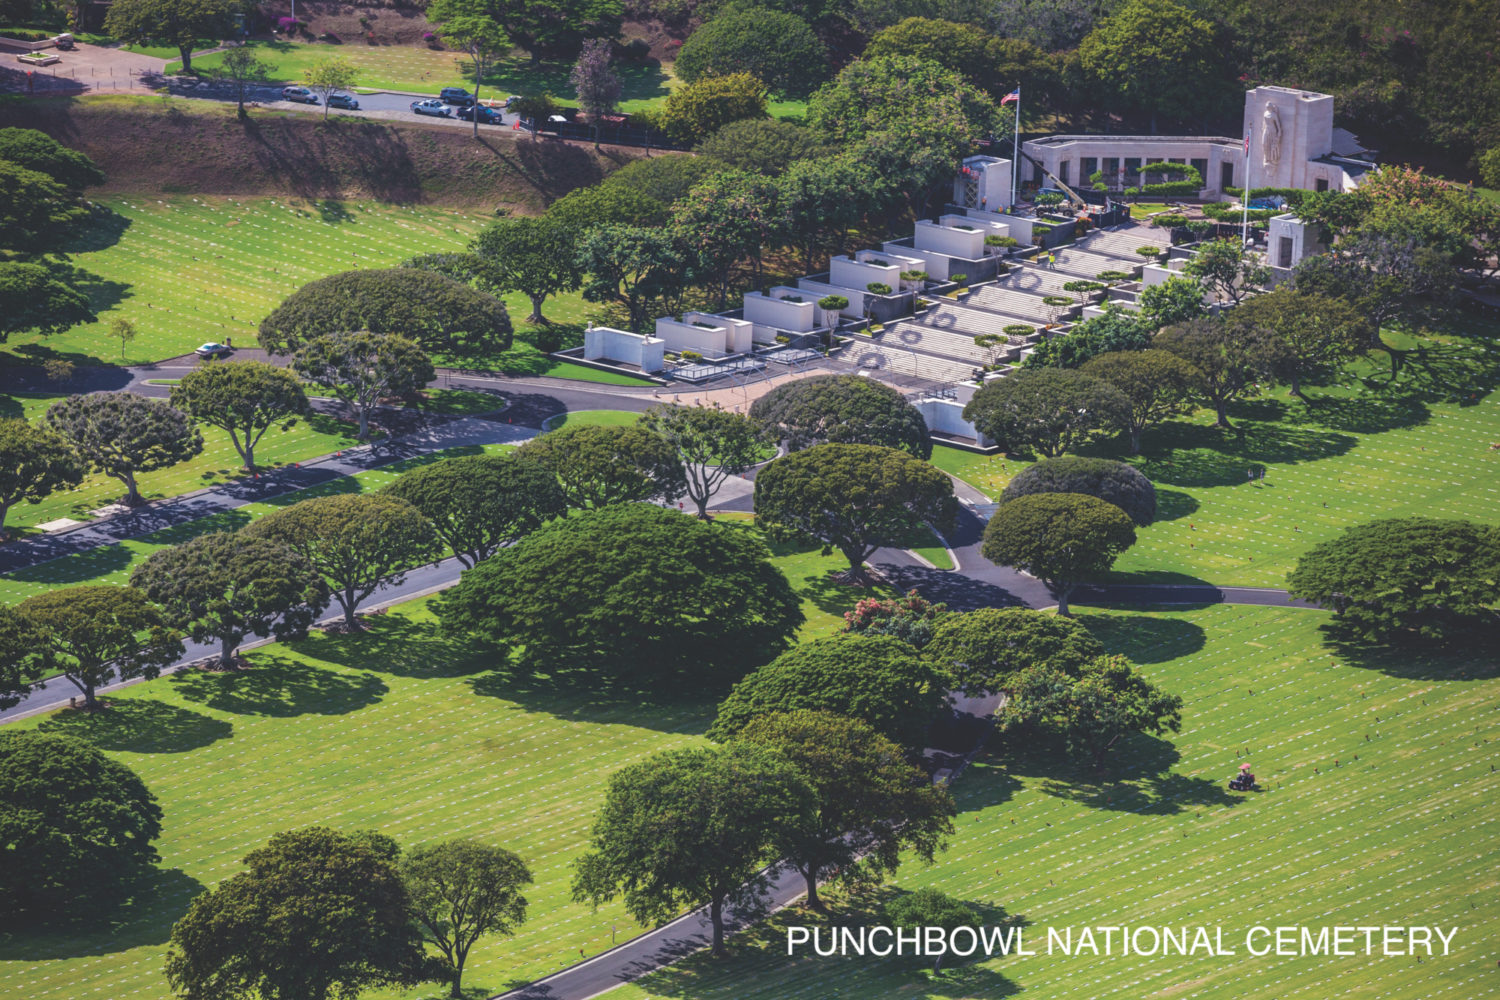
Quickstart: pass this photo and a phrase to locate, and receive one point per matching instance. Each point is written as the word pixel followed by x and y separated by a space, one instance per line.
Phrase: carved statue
pixel 1270 136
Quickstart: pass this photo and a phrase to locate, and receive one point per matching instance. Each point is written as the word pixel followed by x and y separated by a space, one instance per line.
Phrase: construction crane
pixel 1072 195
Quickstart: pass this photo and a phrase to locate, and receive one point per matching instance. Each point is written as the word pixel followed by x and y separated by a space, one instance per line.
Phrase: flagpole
pixel 1015 156
pixel 1245 194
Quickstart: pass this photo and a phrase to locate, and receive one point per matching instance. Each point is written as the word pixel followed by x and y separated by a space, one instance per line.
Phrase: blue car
pixel 486 116
pixel 345 101
pixel 431 106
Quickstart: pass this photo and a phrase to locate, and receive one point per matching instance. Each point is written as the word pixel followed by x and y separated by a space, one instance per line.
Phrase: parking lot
pixel 384 105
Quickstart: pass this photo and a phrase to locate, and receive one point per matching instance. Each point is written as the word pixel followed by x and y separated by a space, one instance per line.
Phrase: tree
pixel 929 907
pixel 1120 484
pixel 477 29
pixel 100 633
pixel 729 216
pixel 465 268
pixel 558 27
pixel 75 824
pixel 1062 539
pixel 478 504
pixel 1489 166
pixel 594 80
pixel 1405 578
pixel 460 891
pixel 1116 330
pixel 1156 383
pixel 239 67
pixel 244 398
pixel 877 679
pixel 357 542
pixel 122 434
pixel 985 651
pixel 330 75
pixel 1107 701
pixel 1311 334
pixel 532 256
pixel 38 151
pixel 1046 410
pixel 762 145
pixel 998 65
pixel 36 212
pixel 316 914
pixel 700 109
pixel 34 463
pixel 871 803
pixel 1158 56
pixel 362 368
pixel 842 409
pixel 854 498
pixel 663 179
pixel 776 48
pixel 820 200
pixel 633 593
pixel 911 619
pixel 35 298
pixel 1050 25
pixel 693 826
pixel 122 330
pixel 24 659
pixel 711 442
pixel 1227 269
pixel 598 465
pixel 180 23
pixel 1174 301
pixel 644 270
pixel 441 314
pixel 608 204
pixel 221 586
pixel 1228 352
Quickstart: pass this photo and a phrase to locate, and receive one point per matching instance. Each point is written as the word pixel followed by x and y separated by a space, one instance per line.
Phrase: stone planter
pixel 38 59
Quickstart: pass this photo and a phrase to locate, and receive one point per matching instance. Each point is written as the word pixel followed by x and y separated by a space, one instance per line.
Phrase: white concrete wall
pixel 738 332
pixel 856 296
pixel 1073 150
pixel 937 265
pixel 1304 240
pixel 602 343
pixel 680 336
pixel 775 310
pixel 968 244
pixel 857 274
pixel 1306 120
pixel 946 416
pixel 989 181
pixel 986 227
pixel 1015 225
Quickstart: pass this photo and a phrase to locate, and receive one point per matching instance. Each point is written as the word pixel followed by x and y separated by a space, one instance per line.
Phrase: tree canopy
pixel 1046 410
pixel 986 650
pixel 693 826
pixel 1156 383
pixel 244 398
pixel 24 656
pixel 854 498
pixel 480 503
pixel 1229 353
pixel 777 48
pixel 998 65
pixel 462 890
pixel 221 586
pixel 38 151
pixel 443 315
pixel 1158 56
pixel 634 594
pixel 35 462
pixel 874 678
pixel 1061 539
pixel 1307 335
pixel 842 409
pixel 180 23
pixel 1175 300
pixel 698 110
pixel 712 444
pixel 533 256
pixel 316 914
pixel 1405 578
pixel 362 368
pixel 599 465
pixel 74 823
pixel 763 145
pixel 1116 330
pixel 36 297
pixel 36 212
pixel 122 434
pixel 1123 485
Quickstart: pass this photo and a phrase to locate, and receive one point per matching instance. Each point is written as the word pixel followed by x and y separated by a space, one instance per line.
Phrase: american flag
pixel 1015 95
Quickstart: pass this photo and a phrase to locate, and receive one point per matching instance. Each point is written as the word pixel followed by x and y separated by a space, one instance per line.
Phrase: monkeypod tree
pixel 1155 383
pixel 763 145
pixel 74 823
pixel 244 398
pixel 222 586
pixel 1228 270
pixel 532 256
pixel 712 444
pixel 480 503
pixel 24 655
pixel 871 803
pixel 635 593
pixel 122 434
pixel 1405 578
pixel 690 827
pixel 101 633
pixel 1310 335
pixel 842 409
pixel 854 498
pixel 1229 353
pixel 362 368
pixel 875 678
pixel 180 23
pixel 986 650
pixel 1122 485
pixel 316 914
pixel 777 48
pixel 34 463
pixel 35 297
pixel 1062 539
pixel 357 542
pixel 38 151
pixel 598 465
pixel 1046 410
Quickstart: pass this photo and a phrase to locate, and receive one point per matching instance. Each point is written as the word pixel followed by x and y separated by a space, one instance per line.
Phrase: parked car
pixel 299 94
pixel 345 101
pixel 431 106
pixel 456 95
pixel 211 350
pixel 64 42
pixel 512 101
pixel 486 116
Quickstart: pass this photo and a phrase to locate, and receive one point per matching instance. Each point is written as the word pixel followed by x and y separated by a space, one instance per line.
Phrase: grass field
pixel 217 463
pixel 1350 459
pixel 595 418
pixel 1378 809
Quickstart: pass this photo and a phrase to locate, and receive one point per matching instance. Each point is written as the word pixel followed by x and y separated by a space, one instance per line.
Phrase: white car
pixel 431 106
pixel 210 350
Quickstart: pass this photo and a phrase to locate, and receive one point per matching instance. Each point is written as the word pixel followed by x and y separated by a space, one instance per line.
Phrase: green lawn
pixel 217 463
pixel 602 418
pixel 1355 457
pixel 1379 791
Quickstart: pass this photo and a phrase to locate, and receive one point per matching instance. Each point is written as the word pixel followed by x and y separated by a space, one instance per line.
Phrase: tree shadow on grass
pixel 1174 504
pixel 402 647
pixel 140 725
pixel 103 228
pixel 141 913
pixel 281 688
pixel 1364 414
pixel 1465 657
pixel 984 783
pixel 1144 638
pixel 580 697
pixel 1185 454
pixel 1137 775
pixel 333 211
pixel 80 567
